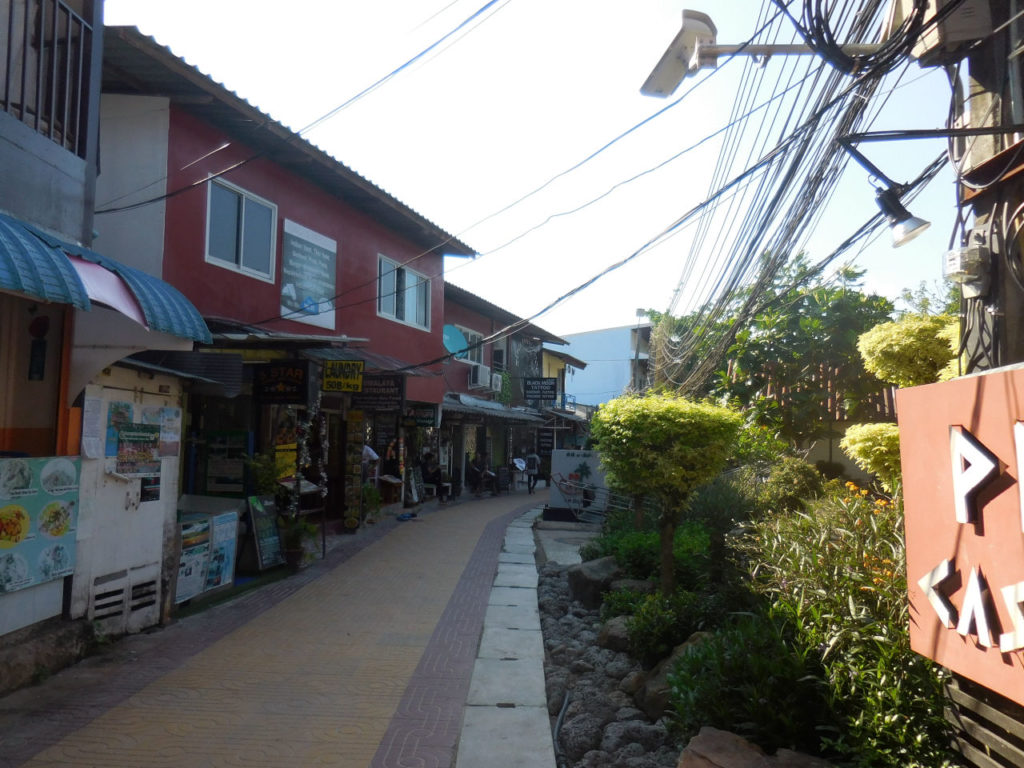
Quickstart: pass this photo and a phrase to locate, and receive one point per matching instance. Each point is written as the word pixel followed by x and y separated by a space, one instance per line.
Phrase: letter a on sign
pixel 973 466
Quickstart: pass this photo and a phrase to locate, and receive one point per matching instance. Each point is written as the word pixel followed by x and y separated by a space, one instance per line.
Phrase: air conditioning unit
pixel 497 382
pixel 480 377
pixel 943 43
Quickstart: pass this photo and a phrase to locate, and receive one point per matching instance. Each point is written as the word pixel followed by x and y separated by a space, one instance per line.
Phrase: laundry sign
pixel 962 451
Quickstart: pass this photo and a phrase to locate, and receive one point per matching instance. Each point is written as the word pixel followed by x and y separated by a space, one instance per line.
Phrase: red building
pixel 292 258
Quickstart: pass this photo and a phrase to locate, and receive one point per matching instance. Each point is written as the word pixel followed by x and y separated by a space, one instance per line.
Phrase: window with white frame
pixel 241 230
pixel 402 294
pixel 475 352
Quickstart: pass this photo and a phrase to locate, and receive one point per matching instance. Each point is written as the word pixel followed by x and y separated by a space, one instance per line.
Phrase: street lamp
pixel 695 47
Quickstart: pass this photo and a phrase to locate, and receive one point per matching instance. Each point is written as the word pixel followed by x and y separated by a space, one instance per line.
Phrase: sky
pixel 512 101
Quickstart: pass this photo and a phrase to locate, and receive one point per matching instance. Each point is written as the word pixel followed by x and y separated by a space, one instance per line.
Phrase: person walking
pixel 532 470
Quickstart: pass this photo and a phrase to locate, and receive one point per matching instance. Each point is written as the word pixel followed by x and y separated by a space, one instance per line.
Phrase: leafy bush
pixel 759 444
pixel 909 351
pixel 875 448
pixel 661 623
pixel 621 602
pixel 837 574
pixel 637 552
pixel 747 679
pixel 786 485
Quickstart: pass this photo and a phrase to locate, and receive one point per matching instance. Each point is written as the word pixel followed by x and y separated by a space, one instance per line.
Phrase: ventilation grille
pixel 108 594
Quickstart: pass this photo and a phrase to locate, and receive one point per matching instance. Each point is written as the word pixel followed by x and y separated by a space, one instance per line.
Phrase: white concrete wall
pixel 124 542
pixel 133 168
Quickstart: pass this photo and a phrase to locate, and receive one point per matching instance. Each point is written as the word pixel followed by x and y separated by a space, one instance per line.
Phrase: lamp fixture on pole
pixel 903 225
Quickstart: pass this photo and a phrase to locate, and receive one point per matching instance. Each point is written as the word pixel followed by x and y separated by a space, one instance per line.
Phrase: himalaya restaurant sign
pixel 962 451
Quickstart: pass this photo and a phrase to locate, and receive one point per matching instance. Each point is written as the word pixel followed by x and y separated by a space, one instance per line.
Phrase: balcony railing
pixel 45 54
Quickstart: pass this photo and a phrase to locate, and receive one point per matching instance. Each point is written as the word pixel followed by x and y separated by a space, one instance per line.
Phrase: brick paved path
pixel 361 660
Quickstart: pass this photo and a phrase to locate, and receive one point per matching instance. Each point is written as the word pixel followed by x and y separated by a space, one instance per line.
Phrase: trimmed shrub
pixel 875 448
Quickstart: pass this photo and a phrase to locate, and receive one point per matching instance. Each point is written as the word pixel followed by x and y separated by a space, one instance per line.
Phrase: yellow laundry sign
pixel 343 376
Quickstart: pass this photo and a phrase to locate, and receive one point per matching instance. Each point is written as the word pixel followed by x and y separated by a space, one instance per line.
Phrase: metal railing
pixel 591 504
pixel 45 55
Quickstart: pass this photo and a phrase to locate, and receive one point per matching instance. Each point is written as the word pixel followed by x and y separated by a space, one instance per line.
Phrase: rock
pixel 712 748
pixel 590 580
pixel 556 683
pixel 653 697
pixel 620 734
pixel 633 682
pixel 580 735
pixel 619 667
pixel 596 759
pixel 629 713
pixel 614 634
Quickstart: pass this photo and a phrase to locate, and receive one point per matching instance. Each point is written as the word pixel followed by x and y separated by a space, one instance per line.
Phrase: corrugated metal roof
pixel 482 306
pixel 34 268
pixel 134 63
pixel 465 404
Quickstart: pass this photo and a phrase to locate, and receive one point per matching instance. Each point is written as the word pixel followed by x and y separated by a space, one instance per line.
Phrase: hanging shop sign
pixel 422 415
pixel 381 392
pixel 38 520
pixel 343 376
pixel 962 451
pixel 545 441
pixel 540 389
pixel 283 382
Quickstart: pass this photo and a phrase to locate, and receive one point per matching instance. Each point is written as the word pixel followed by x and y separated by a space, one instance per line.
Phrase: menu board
pixel 38 520
pixel 264 528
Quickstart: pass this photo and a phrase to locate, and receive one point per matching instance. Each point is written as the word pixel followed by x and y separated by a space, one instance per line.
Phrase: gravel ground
pixel 599 726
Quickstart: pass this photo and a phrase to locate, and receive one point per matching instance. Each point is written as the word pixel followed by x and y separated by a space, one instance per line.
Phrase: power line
pixel 320 120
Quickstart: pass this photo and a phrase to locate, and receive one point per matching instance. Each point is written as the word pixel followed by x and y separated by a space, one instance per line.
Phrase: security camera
pixel 683 56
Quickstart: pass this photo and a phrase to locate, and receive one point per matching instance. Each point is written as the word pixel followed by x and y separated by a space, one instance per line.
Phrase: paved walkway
pixel 368 658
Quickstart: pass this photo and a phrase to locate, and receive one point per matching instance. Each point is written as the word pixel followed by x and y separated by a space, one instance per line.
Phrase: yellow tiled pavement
pixel 314 680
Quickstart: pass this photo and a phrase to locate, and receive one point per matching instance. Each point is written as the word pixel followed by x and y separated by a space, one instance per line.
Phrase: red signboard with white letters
pixel 962 450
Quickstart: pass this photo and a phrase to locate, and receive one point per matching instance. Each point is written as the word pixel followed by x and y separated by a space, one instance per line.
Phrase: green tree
pixel 663 446
pixel 799 354
pixel 935 299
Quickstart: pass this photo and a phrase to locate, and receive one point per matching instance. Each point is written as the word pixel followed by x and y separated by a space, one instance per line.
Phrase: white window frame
pixel 475 355
pixel 239 266
pixel 398 297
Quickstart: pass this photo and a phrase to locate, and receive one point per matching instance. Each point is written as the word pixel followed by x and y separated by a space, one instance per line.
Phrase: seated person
pixel 432 474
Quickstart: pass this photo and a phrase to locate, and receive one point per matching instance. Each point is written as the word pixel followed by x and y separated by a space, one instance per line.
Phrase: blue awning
pixel 32 267
pixel 26 251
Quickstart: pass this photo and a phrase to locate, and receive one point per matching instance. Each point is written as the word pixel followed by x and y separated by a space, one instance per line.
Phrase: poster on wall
pixel 138 450
pixel 576 478
pixel 195 557
pixel 308 271
pixel 223 540
pixel 38 520
pixel 119 414
pixel 169 421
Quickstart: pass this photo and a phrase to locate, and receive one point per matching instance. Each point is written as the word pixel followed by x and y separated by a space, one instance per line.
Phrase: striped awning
pixel 36 264
pixel 33 268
